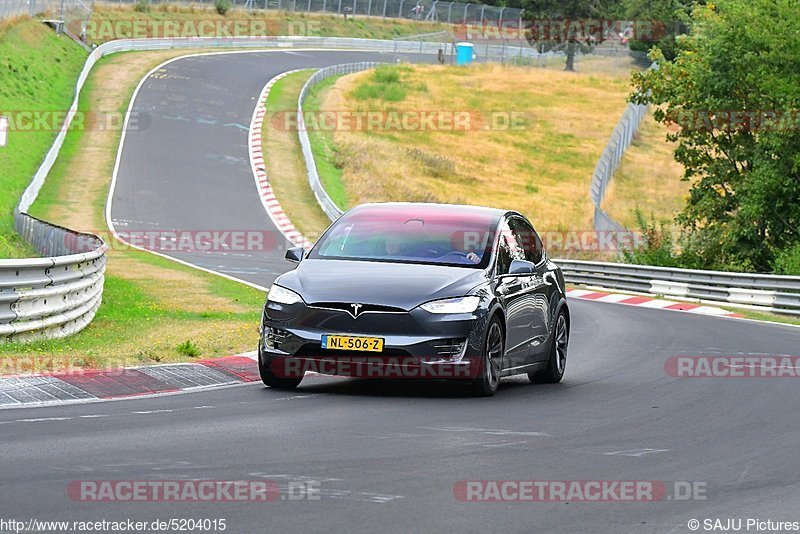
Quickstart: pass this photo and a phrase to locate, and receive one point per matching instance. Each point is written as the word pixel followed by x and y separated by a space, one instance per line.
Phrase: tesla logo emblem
pixel 355 307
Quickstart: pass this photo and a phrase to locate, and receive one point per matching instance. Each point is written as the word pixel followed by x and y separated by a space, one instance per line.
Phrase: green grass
pixel 327 155
pixel 276 22
pixel 388 83
pixel 127 312
pixel 38 71
pixel 139 321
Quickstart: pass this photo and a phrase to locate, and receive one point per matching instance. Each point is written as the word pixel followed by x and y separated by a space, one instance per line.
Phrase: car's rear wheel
pixel 491 360
pixel 270 379
pixel 557 363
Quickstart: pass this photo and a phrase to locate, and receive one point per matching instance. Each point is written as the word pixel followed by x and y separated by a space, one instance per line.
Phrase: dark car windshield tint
pixel 431 235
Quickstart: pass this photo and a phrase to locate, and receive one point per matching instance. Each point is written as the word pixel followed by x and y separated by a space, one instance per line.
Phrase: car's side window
pixel 503 255
pixel 528 239
pixel 508 250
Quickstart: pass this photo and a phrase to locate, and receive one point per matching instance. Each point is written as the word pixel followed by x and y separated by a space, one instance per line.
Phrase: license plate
pixel 369 344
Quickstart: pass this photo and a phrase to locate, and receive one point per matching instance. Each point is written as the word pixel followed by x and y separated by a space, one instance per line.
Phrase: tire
pixel 269 378
pixel 491 360
pixel 557 362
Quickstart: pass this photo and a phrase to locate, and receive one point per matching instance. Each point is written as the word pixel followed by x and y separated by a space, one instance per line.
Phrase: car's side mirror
pixel 295 254
pixel 521 267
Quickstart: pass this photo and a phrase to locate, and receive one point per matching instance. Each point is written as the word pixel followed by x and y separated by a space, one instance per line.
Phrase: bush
pixel 222 6
pixel 188 348
pixel 656 247
pixel 788 261
pixel 142 6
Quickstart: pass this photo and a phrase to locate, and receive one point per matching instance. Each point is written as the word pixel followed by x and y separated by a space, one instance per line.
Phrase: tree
pixel 669 19
pixel 732 96
pixel 569 25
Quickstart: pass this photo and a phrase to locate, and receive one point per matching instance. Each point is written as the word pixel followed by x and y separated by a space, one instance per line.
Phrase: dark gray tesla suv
pixel 434 291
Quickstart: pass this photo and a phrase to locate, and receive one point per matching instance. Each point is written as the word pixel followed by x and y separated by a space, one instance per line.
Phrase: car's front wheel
pixel 491 363
pixel 557 363
pixel 270 379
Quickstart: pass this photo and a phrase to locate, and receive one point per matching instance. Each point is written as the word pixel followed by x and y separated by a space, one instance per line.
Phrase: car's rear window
pixel 431 235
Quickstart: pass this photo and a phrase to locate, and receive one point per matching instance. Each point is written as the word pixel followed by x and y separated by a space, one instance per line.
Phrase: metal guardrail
pixel 323 198
pixel 771 293
pixel 53 296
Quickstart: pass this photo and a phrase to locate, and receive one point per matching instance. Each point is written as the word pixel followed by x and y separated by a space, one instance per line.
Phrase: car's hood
pixel 390 284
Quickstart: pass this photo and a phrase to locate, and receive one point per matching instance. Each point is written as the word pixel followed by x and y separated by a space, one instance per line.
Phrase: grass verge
pixel 154 310
pixel 327 154
pixel 284 158
pixel 38 70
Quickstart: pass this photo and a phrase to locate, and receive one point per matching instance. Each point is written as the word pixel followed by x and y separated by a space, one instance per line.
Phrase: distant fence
pixel 621 139
pixel 444 12
pixel 48 8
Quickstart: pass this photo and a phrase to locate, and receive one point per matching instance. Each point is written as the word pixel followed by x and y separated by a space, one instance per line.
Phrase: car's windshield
pixel 442 235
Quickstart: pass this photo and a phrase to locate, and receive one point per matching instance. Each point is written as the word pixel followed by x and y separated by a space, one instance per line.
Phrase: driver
pixel 474 258
pixel 393 245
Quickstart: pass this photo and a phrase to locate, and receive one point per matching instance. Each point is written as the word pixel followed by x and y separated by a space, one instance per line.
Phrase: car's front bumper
pixel 417 344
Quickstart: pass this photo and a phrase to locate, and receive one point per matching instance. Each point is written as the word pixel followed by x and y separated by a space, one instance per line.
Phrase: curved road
pixel 388 455
pixel 186 169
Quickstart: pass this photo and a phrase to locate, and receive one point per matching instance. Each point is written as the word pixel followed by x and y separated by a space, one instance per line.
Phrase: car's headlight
pixel 454 305
pixel 281 295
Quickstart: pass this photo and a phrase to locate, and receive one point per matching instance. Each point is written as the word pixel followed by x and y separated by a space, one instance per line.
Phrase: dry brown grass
pixel 542 170
pixel 648 178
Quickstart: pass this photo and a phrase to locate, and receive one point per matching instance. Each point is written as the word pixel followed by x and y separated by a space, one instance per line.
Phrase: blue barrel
pixel 463 53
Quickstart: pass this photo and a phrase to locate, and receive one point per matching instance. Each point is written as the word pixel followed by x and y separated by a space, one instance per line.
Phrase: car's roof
pixel 429 207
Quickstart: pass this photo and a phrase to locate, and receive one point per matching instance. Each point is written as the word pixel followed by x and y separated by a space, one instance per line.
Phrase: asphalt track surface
pixel 387 455
pixel 184 165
